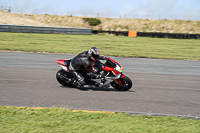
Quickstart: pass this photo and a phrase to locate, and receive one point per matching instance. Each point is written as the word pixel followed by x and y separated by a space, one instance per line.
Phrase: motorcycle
pixel 112 71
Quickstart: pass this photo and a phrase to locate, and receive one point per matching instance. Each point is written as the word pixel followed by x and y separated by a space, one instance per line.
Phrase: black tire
pixel 59 76
pixel 126 84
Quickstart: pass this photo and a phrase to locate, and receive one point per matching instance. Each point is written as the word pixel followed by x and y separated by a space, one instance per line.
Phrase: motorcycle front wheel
pixel 126 84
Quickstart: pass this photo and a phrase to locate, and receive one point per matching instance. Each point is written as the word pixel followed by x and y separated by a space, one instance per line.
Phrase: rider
pixel 85 61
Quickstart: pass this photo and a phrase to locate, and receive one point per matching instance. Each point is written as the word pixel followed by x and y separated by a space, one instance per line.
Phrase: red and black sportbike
pixel 112 75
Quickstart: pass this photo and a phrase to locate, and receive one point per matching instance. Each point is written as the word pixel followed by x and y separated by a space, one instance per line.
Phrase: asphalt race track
pixel 160 86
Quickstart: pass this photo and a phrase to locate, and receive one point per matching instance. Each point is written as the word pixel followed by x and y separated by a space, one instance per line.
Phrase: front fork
pixel 119 81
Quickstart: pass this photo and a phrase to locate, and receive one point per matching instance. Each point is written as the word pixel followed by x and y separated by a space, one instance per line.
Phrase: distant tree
pixel 92 21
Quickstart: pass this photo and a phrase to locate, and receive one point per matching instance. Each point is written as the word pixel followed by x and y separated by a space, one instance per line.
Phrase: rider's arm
pixel 112 64
pixel 88 70
pixel 101 58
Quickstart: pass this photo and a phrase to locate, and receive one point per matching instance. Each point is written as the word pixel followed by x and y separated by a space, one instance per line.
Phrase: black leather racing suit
pixel 82 62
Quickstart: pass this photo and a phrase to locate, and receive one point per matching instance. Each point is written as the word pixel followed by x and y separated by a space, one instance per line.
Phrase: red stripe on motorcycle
pixel 60 62
pixel 122 76
pixel 119 81
pixel 91 68
pixel 105 68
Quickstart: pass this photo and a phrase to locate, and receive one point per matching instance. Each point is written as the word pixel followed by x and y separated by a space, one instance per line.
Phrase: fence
pixel 85 31
pixel 151 34
pixel 169 35
pixel 46 30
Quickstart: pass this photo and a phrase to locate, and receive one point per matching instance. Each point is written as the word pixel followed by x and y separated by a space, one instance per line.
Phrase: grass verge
pixel 108 45
pixel 13 119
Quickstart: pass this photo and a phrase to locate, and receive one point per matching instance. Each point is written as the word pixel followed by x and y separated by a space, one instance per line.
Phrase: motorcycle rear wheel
pixel 59 76
pixel 126 84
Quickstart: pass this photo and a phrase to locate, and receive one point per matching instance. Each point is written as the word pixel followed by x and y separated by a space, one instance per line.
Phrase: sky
pixel 152 9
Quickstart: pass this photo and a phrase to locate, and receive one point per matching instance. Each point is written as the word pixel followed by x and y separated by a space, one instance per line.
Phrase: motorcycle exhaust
pixel 64 78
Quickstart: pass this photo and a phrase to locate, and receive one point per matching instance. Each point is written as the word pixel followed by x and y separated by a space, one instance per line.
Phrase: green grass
pixel 59 120
pixel 108 45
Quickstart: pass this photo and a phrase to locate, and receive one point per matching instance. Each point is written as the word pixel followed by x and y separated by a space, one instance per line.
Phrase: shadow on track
pixel 96 89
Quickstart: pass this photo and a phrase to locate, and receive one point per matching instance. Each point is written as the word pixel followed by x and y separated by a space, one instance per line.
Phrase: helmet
pixel 93 53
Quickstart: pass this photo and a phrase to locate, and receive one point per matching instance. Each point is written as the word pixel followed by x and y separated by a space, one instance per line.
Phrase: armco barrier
pixel 169 35
pixel 46 30
pixel 117 33
pixel 87 31
pixel 150 34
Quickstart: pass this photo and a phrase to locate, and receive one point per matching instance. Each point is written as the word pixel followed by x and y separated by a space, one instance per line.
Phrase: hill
pixel 141 25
